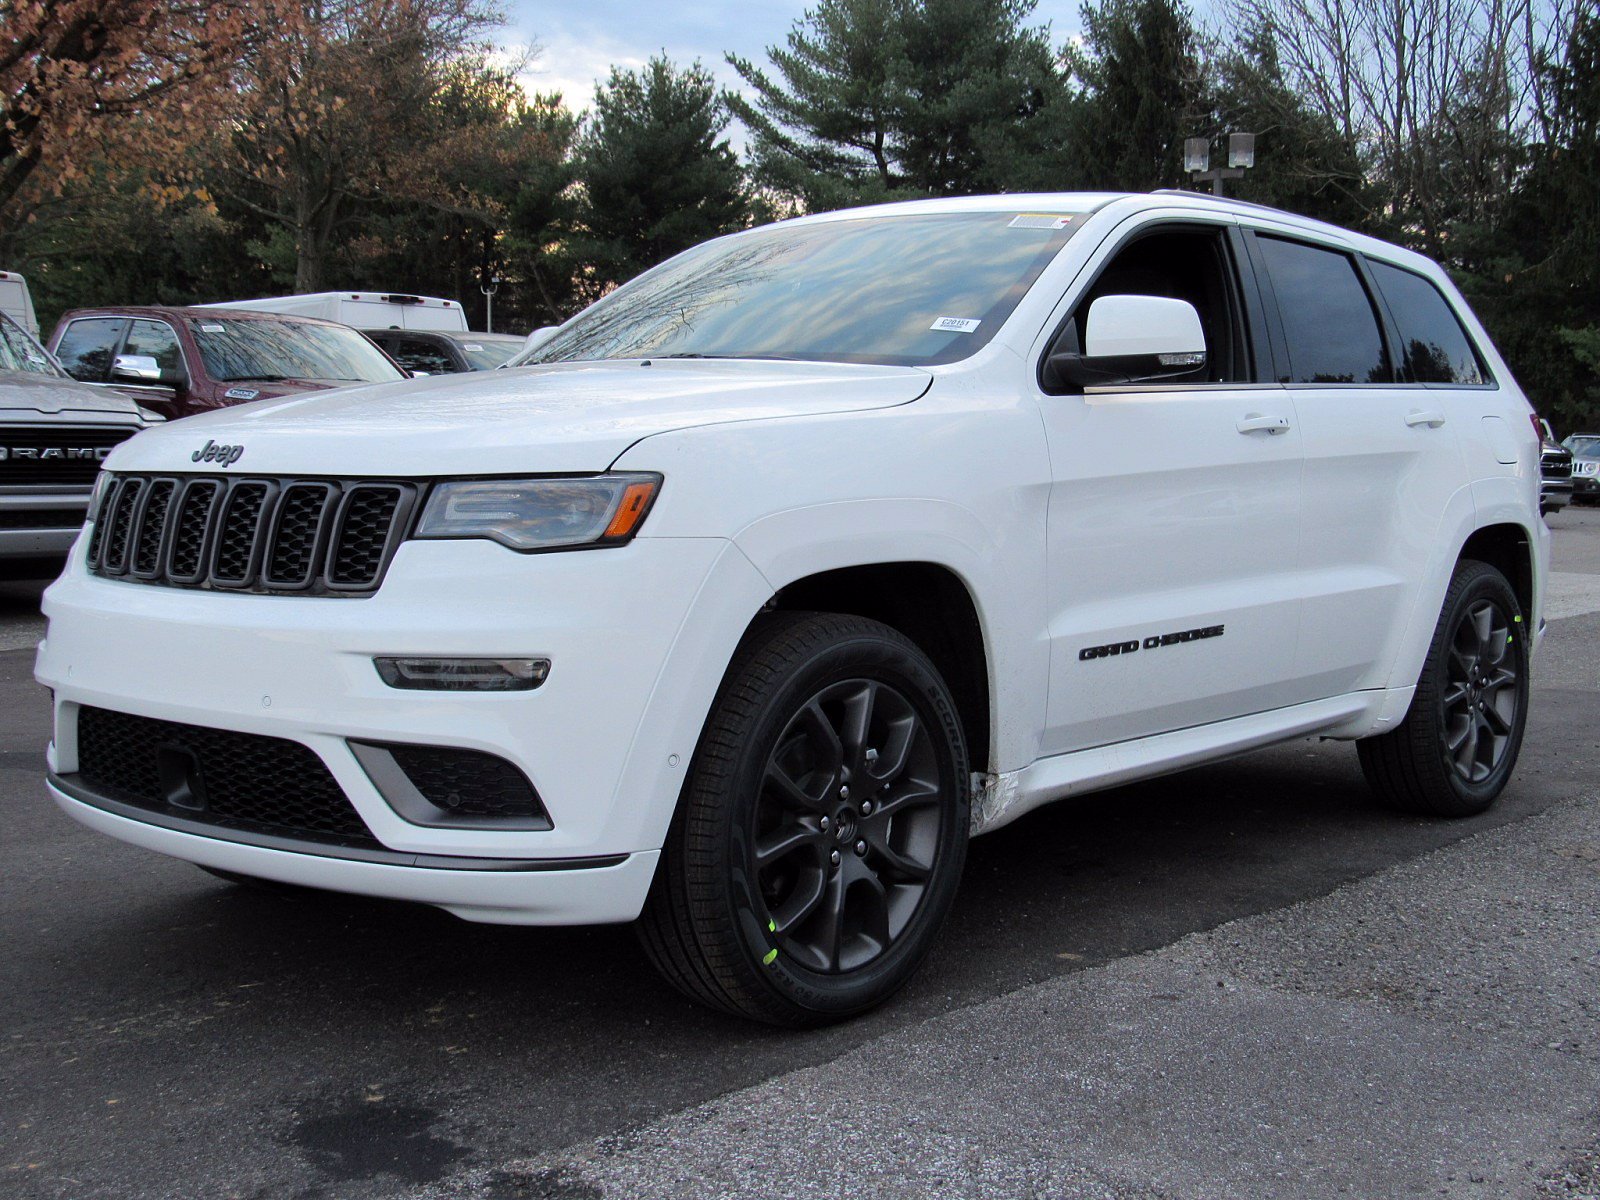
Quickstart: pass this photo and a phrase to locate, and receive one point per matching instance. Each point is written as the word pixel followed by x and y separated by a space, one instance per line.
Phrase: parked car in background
pixel 182 361
pixel 1555 472
pixel 438 353
pixel 1585 448
pixel 16 302
pixel 54 433
pixel 363 310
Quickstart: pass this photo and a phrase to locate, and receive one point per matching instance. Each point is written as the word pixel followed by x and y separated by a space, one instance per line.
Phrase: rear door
pixel 1382 459
pixel 1174 514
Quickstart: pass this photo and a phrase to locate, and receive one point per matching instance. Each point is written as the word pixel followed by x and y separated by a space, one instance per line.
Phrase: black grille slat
pixel 151 528
pixel 119 525
pixel 362 538
pixel 245 781
pixel 304 536
pixel 233 559
pixel 186 559
pixel 297 534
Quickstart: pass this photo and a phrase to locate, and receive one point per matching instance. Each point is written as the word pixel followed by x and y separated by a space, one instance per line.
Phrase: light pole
pixel 1197 159
pixel 488 290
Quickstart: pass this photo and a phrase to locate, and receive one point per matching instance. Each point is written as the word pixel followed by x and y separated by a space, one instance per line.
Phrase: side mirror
pixel 136 368
pixel 1129 339
pixel 143 369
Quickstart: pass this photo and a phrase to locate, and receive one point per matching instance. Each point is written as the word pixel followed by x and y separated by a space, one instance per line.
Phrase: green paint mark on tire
pixel 771 956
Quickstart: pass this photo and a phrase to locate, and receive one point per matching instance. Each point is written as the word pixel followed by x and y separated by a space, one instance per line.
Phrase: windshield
pixel 19 352
pixel 1584 447
pixel 266 349
pixel 903 290
pixel 485 353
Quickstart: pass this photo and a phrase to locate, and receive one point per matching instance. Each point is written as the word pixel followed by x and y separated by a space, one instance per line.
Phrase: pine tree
pixel 658 176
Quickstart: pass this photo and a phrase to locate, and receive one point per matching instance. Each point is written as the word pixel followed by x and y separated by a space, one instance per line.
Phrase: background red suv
pixel 182 361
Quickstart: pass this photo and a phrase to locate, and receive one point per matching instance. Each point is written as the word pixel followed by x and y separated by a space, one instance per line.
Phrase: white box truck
pixel 364 310
pixel 17 304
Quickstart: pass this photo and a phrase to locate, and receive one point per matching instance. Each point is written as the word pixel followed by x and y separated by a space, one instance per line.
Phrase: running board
pixel 1005 798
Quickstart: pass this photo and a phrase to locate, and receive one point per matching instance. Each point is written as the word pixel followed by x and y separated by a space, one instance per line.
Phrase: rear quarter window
pixel 1434 347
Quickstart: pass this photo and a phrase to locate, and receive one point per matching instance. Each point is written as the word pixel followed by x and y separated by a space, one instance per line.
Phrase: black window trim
pixel 1380 311
pixel 1491 384
pixel 1252 311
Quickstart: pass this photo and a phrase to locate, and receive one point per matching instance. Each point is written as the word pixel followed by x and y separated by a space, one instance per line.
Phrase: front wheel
pixel 1453 753
pixel 822 829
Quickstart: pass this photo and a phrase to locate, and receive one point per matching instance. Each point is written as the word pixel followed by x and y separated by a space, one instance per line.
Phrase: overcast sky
pixel 582 39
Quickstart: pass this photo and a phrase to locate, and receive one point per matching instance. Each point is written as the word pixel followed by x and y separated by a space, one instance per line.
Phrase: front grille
pixel 1556 468
pixel 295 536
pixel 60 457
pixel 232 780
pixel 41 518
pixel 467 783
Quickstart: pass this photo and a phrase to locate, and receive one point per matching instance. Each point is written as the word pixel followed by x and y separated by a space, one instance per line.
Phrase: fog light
pixel 463 674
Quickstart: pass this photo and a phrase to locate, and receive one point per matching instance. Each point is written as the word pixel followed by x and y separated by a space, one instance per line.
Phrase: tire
pixel 780 896
pixel 1456 748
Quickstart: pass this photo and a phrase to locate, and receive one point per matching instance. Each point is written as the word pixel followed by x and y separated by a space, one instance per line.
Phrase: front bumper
pixel 35 525
pixel 605 741
pixel 1585 487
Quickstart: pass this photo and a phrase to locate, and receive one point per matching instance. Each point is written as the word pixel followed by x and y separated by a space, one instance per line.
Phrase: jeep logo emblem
pixel 224 456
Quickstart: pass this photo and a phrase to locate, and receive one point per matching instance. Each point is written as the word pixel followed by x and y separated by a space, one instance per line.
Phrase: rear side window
pixel 1435 347
pixel 86 347
pixel 1328 317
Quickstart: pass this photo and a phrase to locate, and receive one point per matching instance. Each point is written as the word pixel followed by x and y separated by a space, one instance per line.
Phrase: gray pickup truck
pixel 54 434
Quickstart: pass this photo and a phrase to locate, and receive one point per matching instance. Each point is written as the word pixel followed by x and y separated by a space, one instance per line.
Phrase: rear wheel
pixel 822 830
pixel 1457 746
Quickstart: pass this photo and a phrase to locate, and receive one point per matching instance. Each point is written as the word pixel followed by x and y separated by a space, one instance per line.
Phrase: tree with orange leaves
pixel 87 79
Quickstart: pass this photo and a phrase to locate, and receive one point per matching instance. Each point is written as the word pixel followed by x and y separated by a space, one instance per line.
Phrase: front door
pixel 1174 518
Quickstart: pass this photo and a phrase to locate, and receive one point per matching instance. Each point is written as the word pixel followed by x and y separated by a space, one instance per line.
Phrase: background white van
pixel 364 310
pixel 16 303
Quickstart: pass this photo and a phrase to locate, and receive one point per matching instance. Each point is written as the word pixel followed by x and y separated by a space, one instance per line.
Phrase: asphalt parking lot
pixel 1244 980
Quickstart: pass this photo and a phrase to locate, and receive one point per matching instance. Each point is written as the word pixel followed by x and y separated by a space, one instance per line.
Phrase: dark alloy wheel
pixel 822 830
pixel 846 829
pixel 1481 698
pixel 1457 746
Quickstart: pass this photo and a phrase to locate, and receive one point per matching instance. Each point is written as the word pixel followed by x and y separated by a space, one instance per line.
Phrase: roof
pixel 193 312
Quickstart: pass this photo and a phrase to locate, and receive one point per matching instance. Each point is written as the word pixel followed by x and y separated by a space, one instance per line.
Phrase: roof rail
pixel 1226 200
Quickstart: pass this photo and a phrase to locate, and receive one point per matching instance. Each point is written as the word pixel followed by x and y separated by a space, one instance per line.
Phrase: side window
pixel 1435 347
pixel 86 347
pixel 156 339
pixel 1182 263
pixel 1327 315
pixel 415 354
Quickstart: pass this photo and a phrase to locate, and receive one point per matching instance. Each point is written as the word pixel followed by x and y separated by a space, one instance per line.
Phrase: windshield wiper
pixel 696 354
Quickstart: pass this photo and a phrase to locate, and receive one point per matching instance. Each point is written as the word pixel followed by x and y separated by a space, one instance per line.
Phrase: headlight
pixel 540 514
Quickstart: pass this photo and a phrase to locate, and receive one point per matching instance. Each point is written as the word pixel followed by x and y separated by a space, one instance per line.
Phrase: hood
pixel 28 391
pixel 535 420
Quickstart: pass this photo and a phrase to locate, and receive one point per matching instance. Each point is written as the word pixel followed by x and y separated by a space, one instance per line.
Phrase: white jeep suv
pixel 788 566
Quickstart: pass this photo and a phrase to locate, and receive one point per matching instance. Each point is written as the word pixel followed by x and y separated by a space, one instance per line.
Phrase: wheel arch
pixel 1507 547
pixel 931 605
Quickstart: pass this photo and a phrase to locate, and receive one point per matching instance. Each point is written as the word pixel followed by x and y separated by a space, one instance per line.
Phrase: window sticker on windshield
pixel 213 329
pixel 241 393
pixel 471 346
pixel 956 325
pixel 1039 221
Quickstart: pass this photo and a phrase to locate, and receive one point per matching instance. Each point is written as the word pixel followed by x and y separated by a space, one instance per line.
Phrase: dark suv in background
pixel 182 361
pixel 444 352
